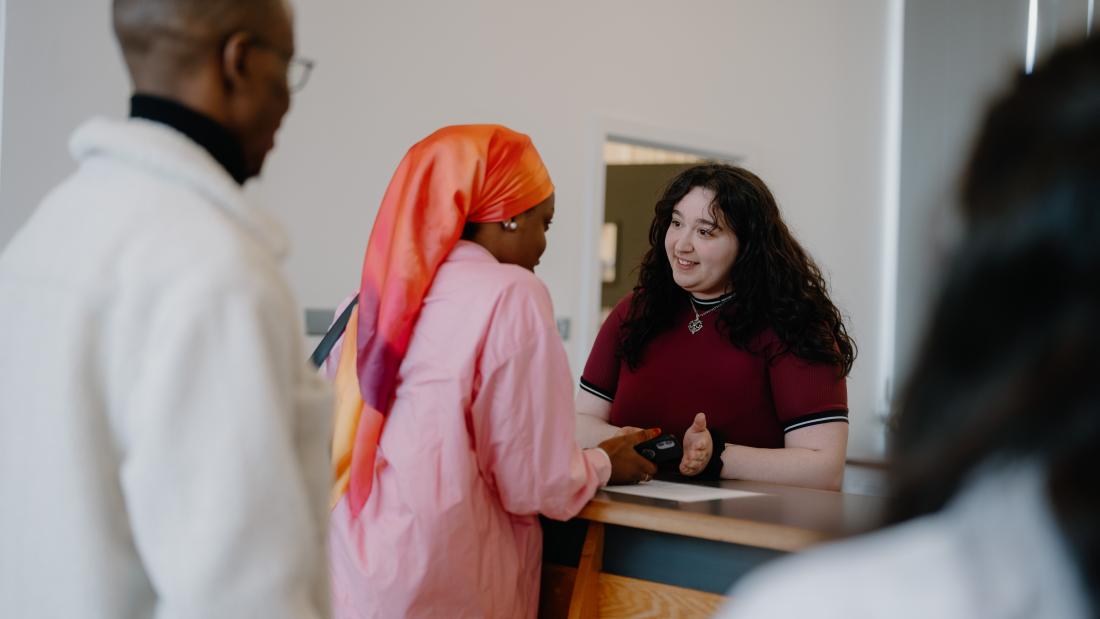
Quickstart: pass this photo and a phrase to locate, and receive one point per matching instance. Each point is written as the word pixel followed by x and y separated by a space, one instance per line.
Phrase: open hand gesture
pixel 698 447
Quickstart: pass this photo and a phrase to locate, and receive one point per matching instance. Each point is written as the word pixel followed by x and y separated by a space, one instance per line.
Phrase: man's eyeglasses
pixel 297 72
pixel 298 69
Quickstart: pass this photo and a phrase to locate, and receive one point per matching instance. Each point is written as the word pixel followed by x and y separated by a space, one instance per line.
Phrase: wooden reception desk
pixel 651 557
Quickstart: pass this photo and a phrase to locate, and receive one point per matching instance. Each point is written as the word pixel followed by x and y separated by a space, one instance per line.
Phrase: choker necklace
pixel 696 323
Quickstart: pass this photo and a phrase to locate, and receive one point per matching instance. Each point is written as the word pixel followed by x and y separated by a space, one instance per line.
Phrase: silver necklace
pixel 696 323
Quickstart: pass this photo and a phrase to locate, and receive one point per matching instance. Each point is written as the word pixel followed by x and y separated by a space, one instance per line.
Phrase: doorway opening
pixel 635 175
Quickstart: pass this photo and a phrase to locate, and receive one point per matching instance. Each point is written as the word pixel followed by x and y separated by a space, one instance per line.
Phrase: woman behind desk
pixel 454 346
pixel 729 336
pixel 995 486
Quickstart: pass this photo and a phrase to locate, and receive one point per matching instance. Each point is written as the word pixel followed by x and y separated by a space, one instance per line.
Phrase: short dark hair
pixel 1008 369
pixel 192 24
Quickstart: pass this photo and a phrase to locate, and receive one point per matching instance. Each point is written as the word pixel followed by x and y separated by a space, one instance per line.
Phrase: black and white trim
pixel 806 421
pixel 706 303
pixel 596 391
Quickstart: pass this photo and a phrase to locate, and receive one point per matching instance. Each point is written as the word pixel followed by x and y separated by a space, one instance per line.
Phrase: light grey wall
pixel 1063 20
pixel 631 192
pixel 60 67
pixel 3 46
pixel 958 55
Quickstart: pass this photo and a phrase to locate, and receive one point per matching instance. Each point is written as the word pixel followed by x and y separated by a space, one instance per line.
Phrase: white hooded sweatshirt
pixel 163 445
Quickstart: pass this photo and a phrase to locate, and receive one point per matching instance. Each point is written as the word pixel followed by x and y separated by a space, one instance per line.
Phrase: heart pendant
pixel 695 325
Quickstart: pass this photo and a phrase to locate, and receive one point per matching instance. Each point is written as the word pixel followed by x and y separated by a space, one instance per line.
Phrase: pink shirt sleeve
pixel 601 461
pixel 523 417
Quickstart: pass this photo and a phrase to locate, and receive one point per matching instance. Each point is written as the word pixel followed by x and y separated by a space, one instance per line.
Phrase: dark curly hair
pixel 775 281
pixel 1008 366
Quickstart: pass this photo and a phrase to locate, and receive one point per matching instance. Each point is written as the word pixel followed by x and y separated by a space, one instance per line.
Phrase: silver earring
pixel 510 225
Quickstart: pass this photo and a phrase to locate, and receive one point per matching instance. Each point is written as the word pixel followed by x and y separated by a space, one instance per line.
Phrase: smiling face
pixel 700 245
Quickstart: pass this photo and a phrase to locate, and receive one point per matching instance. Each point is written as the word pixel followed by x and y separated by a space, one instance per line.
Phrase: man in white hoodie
pixel 163 446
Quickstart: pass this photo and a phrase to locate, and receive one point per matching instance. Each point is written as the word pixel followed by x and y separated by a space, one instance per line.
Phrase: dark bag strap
pixel 334 333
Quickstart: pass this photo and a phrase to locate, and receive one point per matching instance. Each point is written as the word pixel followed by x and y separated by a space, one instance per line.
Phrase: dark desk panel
pixel 708 545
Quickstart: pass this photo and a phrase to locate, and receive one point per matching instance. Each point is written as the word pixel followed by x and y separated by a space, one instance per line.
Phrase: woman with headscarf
pixel 454 421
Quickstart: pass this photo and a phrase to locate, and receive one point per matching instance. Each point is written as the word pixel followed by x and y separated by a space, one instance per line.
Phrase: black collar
pixel 202 129
pixel 704 303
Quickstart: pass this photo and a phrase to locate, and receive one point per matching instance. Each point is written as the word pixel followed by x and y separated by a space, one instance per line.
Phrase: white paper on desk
pixel 683 493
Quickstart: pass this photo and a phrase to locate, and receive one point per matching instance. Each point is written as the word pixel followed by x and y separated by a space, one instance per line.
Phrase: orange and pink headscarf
pixel 459 174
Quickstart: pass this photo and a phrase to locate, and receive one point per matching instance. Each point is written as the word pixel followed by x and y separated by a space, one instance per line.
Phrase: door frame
pixel 612 129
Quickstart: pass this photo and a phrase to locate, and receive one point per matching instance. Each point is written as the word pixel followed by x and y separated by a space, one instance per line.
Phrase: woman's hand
pixel 623 431
pixel 627 465
pixel 698 447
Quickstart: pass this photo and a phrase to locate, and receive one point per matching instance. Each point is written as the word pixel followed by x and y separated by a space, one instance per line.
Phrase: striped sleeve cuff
pixel 806 421
pixel 596 391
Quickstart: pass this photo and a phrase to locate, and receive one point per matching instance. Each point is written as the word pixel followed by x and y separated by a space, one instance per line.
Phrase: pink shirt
pixel 478 442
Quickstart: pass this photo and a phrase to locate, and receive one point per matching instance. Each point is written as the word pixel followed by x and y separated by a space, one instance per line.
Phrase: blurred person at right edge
pixel 995 508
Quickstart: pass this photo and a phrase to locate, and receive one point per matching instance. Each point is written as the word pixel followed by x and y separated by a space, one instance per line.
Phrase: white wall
pixel 60 66
pixel 959 55
pixel 3 46
pixel 799 88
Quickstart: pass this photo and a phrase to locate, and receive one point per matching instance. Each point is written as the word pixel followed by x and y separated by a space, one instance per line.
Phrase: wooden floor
pixel 586 592
pixel 621 597
pixel 772 517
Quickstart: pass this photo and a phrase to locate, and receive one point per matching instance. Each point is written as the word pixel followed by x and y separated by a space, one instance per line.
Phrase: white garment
pixel 163 444
pixel 994 552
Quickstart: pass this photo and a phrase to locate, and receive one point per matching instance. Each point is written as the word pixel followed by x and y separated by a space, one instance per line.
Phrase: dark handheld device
pixel 664 448
pixel 334 333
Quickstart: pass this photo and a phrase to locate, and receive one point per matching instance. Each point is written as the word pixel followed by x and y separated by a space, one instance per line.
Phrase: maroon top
pixel 747 400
